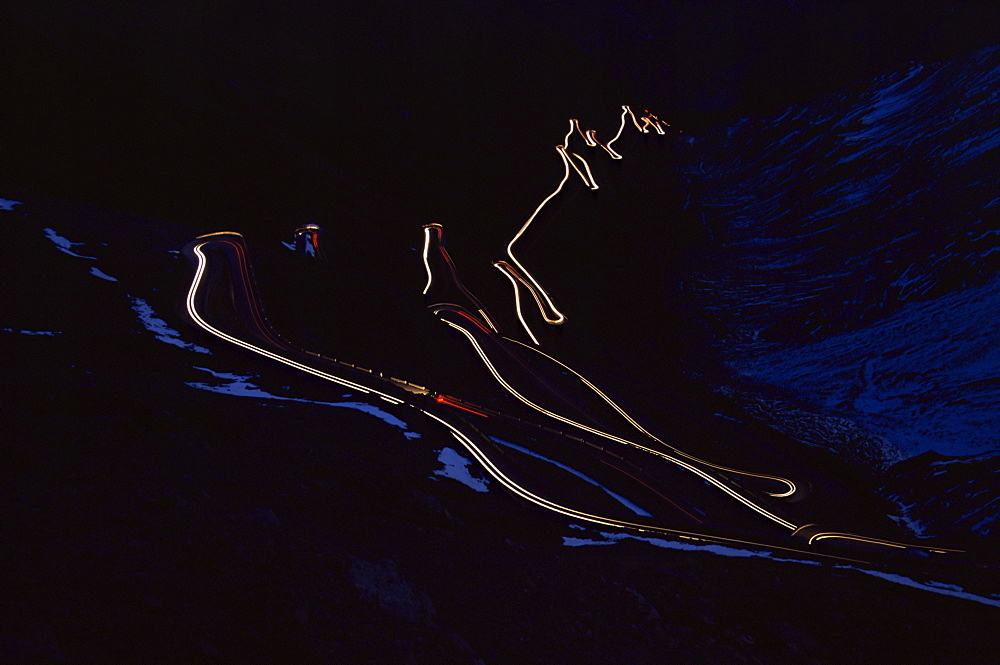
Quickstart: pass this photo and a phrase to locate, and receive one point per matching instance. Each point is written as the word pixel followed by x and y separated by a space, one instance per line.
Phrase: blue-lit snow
pixel 240 385
pixel 159 327
pixel 48 333
pixel 934 587
pixel 8 204
pixel 617 497
pixel 915 526
pixel 456 467
pixel 64 244
pixel 611 538
pixel 96 272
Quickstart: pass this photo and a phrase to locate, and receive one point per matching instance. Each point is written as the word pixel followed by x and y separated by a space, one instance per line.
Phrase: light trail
pixel 455 402
pixel 197 318
pixel 557 317
pixel 584 135
pixel 531 497
pixel 585 174
pixel 593 137
pixel 784 481
pixel 824 535
pixel 427 264
pixel 436 231
pixel 263 327
pixel 621 128
pixel 634 121
pixel 515 279
pixel 589 178
pixel 679 462
pixel 482 458
pixel 550 313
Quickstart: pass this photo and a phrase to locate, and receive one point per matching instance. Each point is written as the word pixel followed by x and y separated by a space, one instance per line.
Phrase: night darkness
pixel 798 276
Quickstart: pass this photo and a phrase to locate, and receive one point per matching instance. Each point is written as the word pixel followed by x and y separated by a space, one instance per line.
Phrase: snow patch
pixel 617 497
pixel 50 333
pixel 456 467
pixel 8 204
pixel 240 386
pixel 711 548
pixel 721 550
pixel 934 587
pixel 103 275
pixel 64 244
pixel 159 327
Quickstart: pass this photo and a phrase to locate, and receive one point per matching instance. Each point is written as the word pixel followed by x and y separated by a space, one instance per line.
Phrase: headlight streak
pixel 621 128
pixel 819 534
pixel 427 265
pixel 196 317
pixel 634 121
pixel 593 137
pixel 557 318
pixel 258 317
pixel 785 481
pixel 587 180
pixel 191 306
pixel 482 458
pixel 708 478
pixel 529 496
pixel 824 535
pixel 590 176
pixel 762 511
pixel 509 273
pixel 550 313
pixel 438 232
pixel 584 135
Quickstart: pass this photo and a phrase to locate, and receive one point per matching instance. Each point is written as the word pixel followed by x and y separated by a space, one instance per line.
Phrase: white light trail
pixel 197 318
pixel 514 278
pixel 785 481
pixel 557 317
pixel 427 265
pixel 708 478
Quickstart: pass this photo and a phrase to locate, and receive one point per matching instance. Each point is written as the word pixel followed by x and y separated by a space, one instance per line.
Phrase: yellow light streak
pixel 585 135
pixel 527 495
pixel 708 478
pixel 451 267
pixel 593 135
pixel 557 317
pixel 589 178
pixel 427 246
pixel 196 317
pixel 480 456
pixel 508 272
pixel 784 481
pixel 621 128
pixel 634 121
pixel 824 535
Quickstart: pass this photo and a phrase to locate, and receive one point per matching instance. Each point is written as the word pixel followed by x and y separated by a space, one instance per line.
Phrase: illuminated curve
pixel 791 488
pixel 795 531
pixel 514 269
pixel 234 241
pixel 679 462
pixel 434 237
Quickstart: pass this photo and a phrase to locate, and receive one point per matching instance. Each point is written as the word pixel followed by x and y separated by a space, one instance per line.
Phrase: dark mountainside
pixel 803 278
